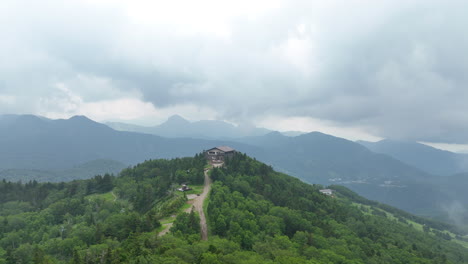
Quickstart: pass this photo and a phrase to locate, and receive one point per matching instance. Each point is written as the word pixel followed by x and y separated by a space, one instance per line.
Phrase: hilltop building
pixel 326 191
pixel 219 154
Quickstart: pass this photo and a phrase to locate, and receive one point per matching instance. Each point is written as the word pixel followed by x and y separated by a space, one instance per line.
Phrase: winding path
pixel 166 229
pixel 115 196
pixel 197 205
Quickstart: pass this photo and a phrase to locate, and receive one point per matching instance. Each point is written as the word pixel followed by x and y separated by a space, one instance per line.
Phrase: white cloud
pixel 299 51
pixel 391 68
pixel 7 99
pixel 65 103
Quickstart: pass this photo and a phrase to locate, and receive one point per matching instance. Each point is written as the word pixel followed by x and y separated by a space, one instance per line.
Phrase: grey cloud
pixel 396 68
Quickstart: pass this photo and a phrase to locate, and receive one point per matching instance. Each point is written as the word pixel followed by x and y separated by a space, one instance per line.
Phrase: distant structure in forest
pixel 327 191
pixel 184 188
pixel 219 154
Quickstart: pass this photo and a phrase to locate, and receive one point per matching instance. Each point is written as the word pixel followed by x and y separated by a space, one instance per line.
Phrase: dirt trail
pixel 197 204
pixel 115 196
pixel 166 229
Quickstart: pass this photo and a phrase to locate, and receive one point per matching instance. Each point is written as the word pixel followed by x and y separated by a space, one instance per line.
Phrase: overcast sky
pixel 357 69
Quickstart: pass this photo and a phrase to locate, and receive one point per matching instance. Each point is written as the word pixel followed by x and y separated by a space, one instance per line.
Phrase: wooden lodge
pixel 219 154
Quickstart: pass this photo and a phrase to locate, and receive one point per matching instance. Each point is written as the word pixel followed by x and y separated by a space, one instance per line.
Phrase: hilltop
pixel 255 215
pixel 41 149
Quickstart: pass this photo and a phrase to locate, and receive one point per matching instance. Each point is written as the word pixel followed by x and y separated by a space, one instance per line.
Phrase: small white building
pixel 326 191
pixel 184 188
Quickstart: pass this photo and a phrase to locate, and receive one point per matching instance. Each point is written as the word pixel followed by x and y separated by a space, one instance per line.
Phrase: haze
pixel 355 69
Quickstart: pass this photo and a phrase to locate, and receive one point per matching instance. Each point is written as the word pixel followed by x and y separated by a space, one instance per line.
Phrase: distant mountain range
pixel 429 159
pixel 31 142
pixel 176 127
pixel 319 158
pixel 34 143
pixel 83 171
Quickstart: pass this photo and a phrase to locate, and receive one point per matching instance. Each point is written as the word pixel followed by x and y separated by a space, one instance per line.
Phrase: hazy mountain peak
pixel 80 118
pixel 177 119
pixel 177 126
pixel 316 134
pixel 293 133
pixel 275 134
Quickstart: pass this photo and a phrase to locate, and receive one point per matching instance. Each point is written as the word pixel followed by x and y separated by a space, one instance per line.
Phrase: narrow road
pixel 115 196
pixel 197 204
pixel 166 229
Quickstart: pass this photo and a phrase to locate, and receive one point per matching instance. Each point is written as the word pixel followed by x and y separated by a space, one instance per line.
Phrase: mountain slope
pixel 83 171
pixel 176 126
pixel 321 158
pixel 256 215
pixel 327 158
pixel 429 159
pixel 30 142
pixel 33 143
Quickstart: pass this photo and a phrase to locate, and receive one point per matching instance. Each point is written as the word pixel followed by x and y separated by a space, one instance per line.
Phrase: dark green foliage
pixel 187 224
pixel 281 213
pixel 256 215
pixel 79 220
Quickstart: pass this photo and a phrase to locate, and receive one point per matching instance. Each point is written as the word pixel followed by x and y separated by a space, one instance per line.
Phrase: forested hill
pixel 255 215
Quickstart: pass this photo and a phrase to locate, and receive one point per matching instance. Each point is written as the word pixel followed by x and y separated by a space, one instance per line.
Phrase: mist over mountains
pixel 177 126
pixel 32 144
pixel 429 159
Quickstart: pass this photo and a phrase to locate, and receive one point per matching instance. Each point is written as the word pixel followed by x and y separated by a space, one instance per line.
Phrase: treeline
pixel 82 221
pixel 255 215
pixel 257 208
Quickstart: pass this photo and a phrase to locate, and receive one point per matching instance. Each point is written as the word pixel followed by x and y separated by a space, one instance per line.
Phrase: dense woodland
pixel 255 215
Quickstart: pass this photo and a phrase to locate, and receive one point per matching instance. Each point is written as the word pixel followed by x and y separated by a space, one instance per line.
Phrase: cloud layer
pixel 393 69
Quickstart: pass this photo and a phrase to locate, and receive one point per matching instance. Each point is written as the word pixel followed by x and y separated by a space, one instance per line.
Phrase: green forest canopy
pixel 255 215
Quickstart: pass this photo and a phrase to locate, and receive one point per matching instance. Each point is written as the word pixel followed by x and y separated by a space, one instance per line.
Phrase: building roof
pixel 225 148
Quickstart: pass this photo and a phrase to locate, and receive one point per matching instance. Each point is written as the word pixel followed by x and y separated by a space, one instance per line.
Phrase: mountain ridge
pixel 427 158
pixel 314 157
pixel 177 126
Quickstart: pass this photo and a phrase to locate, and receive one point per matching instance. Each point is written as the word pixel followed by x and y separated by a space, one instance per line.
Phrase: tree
pixel 76 258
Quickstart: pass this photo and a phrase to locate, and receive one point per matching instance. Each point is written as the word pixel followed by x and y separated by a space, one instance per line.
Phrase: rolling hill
pixel 39 144
pixel 320 158
pixel 255 215
pixel 429 159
